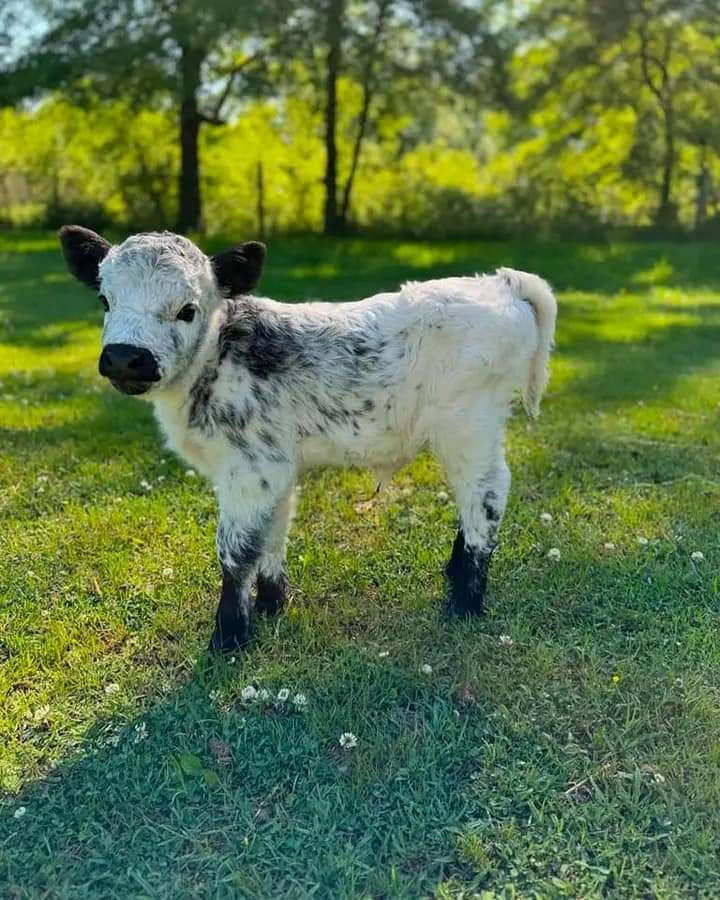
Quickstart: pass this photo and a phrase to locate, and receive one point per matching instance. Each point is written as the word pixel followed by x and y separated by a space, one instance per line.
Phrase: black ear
pixel 238 269
pixel 83 251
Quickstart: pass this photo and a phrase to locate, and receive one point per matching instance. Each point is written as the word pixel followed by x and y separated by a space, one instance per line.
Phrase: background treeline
pixel 427 117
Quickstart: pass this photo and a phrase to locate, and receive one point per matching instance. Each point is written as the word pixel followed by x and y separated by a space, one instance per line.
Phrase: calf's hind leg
pixel 480 479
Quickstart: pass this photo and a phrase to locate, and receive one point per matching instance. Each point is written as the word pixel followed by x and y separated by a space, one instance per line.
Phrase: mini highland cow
pixel 253 392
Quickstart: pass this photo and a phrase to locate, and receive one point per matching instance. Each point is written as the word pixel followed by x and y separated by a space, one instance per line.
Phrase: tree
pixel 192 56
pixel 658 57
pixel 391 49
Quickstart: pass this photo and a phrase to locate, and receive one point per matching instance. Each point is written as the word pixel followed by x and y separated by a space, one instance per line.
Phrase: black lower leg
pixel 272 591
pixel 467 574
pixel 232 619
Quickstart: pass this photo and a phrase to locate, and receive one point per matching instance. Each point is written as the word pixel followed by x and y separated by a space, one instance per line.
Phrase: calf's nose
pixel 124 362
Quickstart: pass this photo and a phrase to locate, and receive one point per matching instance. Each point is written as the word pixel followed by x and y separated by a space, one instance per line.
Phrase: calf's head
pixel 158 291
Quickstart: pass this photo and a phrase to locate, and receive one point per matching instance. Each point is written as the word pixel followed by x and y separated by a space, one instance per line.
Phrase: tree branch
pixel 214 115
pixel 368 92
pixel 645 59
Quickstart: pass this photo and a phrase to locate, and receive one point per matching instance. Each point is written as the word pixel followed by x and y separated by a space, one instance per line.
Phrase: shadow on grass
pixel 193 801
pixel 647 368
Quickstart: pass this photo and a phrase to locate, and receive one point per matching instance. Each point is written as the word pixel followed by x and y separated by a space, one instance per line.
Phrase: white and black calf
pixel 253 392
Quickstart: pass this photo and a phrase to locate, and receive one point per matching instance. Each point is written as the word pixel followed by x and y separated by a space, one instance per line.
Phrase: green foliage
pixel 488 119
pixel 568 745
pixel 100 163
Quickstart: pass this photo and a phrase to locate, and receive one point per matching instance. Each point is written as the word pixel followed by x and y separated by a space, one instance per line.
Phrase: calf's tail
pixel 533 290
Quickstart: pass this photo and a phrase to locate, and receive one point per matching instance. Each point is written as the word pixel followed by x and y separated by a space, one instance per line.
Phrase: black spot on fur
pixel 267 438
pixel 491 510
pixel 258 393
pixel 264 345
pixel 493 515
pixel 200 398
pixel 467 574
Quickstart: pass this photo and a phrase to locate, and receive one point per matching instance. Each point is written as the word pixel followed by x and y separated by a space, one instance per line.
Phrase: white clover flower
pixel 19 812
pixel 41 713
pixel 348 740
pixel 145 485
pixel 282 695
pixel 658 778
pixel 506 640
pixel 553 553
pixel 697 556
pixel 112 688
pixel 300 701
pixel 167 572
pixel 161 478
pixel 383 654
pixel 426 669
pixel 608 545
pixel 232 660
pixel 141 732
pixel 442 496
pixel 643 541
pixel 190 473
pixel 546 518
pixel 248 693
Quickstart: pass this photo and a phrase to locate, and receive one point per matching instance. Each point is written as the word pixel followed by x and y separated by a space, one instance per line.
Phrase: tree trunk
pixel 704 185
pixel 260 201
pixel 332 219
pixel 666 211
pixel 189 210
pixel 368 87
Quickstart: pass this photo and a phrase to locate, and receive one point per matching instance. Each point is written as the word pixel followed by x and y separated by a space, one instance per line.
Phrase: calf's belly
pixel 383 453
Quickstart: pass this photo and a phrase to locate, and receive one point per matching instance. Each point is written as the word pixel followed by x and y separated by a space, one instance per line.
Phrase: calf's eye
pixel 105 304
pixel 187 313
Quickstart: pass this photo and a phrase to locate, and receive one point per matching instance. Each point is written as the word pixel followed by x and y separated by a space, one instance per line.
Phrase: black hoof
pixel 271 594
pixel 463 608
pixel 224 642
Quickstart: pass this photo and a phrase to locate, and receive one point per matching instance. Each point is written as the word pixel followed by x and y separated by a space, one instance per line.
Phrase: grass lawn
pixel 568 745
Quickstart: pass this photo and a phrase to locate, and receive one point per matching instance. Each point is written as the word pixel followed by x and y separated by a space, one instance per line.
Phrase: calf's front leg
pixel 247 513
pixel 238 550
pixel 272 579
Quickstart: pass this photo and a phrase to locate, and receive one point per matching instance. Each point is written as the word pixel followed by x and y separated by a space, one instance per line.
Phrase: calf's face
pixel 158 291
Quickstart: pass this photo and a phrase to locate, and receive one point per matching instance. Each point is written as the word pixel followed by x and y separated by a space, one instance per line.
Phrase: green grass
pixel 582 759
